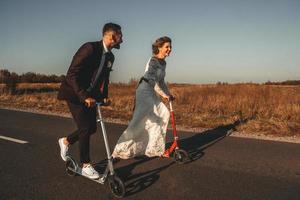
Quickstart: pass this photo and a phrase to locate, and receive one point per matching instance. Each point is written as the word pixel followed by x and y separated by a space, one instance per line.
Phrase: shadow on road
pixel 194 145
pixel 138 182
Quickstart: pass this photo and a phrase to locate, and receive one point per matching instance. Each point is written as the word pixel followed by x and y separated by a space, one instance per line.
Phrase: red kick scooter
pixel 180 155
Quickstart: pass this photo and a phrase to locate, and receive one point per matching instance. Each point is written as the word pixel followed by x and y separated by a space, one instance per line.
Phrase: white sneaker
pixel 90 172
pixel 63 149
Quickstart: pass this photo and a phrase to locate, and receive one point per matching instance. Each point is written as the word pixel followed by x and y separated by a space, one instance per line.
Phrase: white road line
pixel 13 139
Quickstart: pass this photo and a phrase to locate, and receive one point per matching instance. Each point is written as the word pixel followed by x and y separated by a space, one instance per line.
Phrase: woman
pixel 146 132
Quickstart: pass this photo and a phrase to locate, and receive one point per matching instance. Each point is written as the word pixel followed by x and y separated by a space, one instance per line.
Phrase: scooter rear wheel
pixel 71 167
pixel 116 186
pixel 181 156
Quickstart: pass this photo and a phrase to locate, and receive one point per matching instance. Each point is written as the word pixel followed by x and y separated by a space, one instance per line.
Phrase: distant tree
pixel 28 77
pixel 61 78
pixel 4 75
pixel 10 80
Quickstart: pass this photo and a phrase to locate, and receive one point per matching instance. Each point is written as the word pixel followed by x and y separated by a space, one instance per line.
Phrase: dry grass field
pixel 265 109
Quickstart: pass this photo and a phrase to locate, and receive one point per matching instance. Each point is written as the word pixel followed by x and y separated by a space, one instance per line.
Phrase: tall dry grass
pixel 265 109
pixel 268 109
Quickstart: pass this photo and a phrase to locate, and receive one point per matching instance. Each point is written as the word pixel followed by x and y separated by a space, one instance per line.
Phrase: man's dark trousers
pixel 85 119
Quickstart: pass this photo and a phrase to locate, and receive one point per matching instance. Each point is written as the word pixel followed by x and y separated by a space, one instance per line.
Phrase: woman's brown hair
pixel 159 43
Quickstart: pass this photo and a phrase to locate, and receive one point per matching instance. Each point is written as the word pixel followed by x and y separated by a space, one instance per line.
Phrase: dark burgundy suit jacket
pixel 82 72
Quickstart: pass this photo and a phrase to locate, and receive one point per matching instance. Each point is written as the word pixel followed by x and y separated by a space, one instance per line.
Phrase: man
pixel 87 82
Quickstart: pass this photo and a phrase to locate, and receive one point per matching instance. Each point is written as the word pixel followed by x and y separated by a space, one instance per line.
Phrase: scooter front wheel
pixel 116 186
pixel 181 156
pixel 71 166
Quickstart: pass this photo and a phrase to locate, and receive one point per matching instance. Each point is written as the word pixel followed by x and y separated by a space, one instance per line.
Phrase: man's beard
pixel 116 46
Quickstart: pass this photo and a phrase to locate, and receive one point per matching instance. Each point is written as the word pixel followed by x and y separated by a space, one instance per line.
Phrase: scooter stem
pixel 109 157
pixel 171 107
pixel 103 132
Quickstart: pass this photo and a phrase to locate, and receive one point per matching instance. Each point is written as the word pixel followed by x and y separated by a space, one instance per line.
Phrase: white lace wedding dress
pixel 146 132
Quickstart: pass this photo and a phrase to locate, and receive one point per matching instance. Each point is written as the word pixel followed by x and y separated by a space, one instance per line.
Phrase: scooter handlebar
pixel 101 103
pixel 172 98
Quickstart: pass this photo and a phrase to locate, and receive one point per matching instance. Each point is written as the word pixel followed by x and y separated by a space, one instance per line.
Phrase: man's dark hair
pixel 111 27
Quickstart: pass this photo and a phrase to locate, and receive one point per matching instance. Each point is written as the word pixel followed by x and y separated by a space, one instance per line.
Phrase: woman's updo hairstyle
pixel 159 43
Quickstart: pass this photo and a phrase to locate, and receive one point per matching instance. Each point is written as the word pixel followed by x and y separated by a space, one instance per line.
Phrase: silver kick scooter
pixel 116 185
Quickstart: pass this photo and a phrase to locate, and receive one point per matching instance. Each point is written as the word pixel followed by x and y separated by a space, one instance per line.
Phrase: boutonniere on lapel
pixel 109 65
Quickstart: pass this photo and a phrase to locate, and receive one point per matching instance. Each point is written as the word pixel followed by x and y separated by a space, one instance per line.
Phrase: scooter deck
pixel 74 167
pixel 78 171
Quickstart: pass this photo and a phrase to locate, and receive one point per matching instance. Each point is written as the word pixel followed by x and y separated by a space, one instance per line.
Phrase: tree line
pixel 12 79
pixel 29 77
pixel 288 82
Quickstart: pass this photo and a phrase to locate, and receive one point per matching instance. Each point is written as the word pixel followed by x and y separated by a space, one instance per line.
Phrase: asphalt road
pixel 223 167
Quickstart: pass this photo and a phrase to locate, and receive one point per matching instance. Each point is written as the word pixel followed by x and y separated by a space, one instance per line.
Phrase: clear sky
pixel 213 40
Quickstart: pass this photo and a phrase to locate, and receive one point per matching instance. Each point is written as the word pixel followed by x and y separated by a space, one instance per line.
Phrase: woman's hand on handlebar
pixel 169 98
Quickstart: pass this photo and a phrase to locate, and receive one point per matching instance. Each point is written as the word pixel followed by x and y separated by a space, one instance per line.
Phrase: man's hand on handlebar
pixel 90 102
